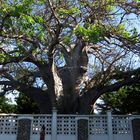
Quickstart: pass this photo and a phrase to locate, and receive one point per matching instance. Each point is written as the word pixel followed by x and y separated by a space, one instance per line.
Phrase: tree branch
pixel 22 37
pixel 116 86
pixel 96 91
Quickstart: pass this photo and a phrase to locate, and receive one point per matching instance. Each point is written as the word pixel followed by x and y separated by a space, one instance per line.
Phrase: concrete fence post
pixel 24 128
pixel 136 128
pixel 109 123
pixel 54 125
pixel 82 128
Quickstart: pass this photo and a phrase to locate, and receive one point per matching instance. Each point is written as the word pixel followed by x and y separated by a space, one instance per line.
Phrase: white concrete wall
pixel 66 137
pixel 70 137
pixel 36 137
pixel 48 137
pixel 98 137
pixel 7 137
pixel 122 137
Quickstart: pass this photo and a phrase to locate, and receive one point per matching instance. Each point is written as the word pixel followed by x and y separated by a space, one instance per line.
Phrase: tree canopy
pixel 25 105
pixel 124 101
pixel 5 107
pixel 66 54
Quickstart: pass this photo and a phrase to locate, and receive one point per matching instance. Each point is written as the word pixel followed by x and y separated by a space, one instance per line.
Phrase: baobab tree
pixel 66 54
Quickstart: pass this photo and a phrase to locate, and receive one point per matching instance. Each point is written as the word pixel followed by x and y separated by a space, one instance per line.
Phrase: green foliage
pixel 66 39
pixel 92 33
pixel 19 15
pixel 5 107
pixel 125 100
pixel 122 31
pixel 137 1
pixel 134 35
pixel 2 57
pixel 72 11
pixel 39 20
pixel 25 105
pixel 15 9
pixel 41 36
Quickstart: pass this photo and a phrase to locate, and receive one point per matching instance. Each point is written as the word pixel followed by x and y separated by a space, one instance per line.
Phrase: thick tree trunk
pixel 87 100
pixel 44 104
pixel 48 78
pixel 70 76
